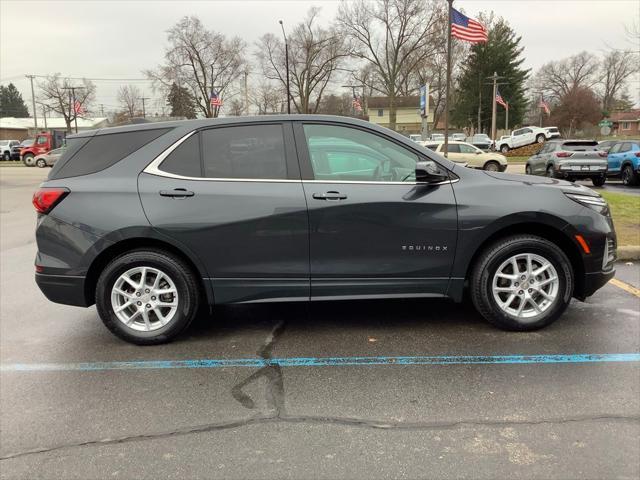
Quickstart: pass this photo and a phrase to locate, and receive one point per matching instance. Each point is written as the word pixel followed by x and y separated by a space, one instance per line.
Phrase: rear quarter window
pixel 581 146
pixel 93 154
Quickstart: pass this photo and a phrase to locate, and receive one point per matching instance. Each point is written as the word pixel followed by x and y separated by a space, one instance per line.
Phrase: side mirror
pixel 429 172
pixel 478 152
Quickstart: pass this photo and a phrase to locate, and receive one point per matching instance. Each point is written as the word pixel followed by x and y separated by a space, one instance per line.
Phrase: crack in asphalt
pixel 274 396
pixel 340 421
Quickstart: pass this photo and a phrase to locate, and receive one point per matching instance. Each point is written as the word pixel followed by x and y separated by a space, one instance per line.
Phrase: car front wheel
pixel 522 283
pixel 550 172
pixel 629 177
pixel 6 156
pixel 527 169
pixel 41 163
pixel 599 181
pixel 504 148
pixel 28 160
pixel 540 138
pixel 492 166
pixel 147 297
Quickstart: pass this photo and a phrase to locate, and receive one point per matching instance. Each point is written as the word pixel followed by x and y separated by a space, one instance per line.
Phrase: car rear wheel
pixel 147 297
pixel 492 166
pixel 527 170
pixel 522 283
pixel 540 138
pixel 6 156
pixel 504 148
pixel 28 160
pixel 629 177
pixel 41 163
pixel 599 181
pixel 550 172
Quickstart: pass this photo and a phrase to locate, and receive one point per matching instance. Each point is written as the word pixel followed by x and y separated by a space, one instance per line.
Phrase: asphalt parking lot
pixel 379 389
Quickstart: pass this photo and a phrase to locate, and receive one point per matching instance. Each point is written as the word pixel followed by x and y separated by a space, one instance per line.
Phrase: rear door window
pixel 625 147
pixel 92 154
pixel 185 159
pixel 245 151
pixel 453 148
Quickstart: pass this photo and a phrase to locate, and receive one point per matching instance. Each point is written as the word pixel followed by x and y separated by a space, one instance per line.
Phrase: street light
pixel 286 61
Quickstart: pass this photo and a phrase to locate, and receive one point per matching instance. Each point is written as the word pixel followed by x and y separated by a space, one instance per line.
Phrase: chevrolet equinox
pixel 152 221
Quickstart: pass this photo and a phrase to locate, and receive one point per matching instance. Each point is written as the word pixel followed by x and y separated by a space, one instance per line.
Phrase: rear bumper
pixel 68 290
pixel 579 174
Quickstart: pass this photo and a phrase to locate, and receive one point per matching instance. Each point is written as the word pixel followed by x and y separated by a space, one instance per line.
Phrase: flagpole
pixel 446 103
pixel 506 120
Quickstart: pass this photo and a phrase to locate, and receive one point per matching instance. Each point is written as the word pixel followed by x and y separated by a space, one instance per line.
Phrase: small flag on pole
pixel 357 105
pixel 545 106
pixel 77 108
pixel 500 100
pixel 467 29
pixel 216 101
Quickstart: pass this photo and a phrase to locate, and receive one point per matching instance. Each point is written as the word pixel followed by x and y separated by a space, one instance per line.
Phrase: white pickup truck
pixel 521 137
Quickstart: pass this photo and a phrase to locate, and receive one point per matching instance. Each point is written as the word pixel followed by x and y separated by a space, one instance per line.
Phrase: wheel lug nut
pixel 138 294
pixel 517 284
pixel 139 303
pixel 530 290
pixel 520 292
pixel 153 298
pixel 146 290
pixel 522 277
pixel 148 305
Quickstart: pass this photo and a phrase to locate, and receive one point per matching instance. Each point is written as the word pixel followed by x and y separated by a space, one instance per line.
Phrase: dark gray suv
pixel 151 221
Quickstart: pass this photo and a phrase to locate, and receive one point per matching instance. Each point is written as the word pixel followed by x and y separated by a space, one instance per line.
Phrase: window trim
pixel 154 167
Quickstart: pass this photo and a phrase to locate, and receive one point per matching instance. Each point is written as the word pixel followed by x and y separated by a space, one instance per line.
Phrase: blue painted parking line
pixel 323 362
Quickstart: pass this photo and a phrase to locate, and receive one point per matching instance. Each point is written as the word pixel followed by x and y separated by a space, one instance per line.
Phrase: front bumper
pixel 65 289
pixel 596 280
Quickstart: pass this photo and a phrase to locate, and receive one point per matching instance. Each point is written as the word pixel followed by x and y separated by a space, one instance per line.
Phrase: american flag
pixel 545 106
pixel 77 108
pixel 216 101
pixel 466 28
pixel 500 100
pixel 357 105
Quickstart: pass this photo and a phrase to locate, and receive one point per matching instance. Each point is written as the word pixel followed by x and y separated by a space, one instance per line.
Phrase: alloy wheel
pixel 144 298
pixel 525 286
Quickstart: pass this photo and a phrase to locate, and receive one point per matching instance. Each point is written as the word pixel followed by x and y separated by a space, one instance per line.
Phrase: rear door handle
pixel 329 196
pixel 176 193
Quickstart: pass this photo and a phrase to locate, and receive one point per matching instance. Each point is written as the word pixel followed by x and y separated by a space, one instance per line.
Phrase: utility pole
pixel 44 115
pixel 102 109
pixel 246 91
pixel 33 102
pixel 286 61
pixel 446 105
pixel 144 110
pixel 479 106
pixel 506 119
pixel 540 107
pixel 495 78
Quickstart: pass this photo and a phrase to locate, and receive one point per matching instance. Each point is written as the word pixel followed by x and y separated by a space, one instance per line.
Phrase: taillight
pixel 603 154
pixel 637 154
pixel 563 154
pixel 46 198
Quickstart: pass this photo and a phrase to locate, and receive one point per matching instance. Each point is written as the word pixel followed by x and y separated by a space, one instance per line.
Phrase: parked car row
pixel 470 156
pixel 5 148
pixel 579 159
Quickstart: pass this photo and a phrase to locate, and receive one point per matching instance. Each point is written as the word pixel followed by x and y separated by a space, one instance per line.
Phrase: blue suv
pixel 624 161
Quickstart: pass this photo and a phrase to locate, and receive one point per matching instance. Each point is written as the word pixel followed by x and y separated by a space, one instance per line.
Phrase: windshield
pixel 27 143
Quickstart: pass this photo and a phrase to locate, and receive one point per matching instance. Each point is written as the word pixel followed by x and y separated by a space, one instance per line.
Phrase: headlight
pixel 598 204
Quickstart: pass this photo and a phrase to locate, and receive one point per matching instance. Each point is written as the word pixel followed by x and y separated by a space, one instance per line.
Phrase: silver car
pixel 49 159
pixel 570 160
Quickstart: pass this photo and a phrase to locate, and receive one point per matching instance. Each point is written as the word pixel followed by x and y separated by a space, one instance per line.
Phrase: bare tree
pixel 200 60
pixel 617 66
pixel 394 36
pixel 268 98
pixel 563 76
pixel 129 97
pixel 315 54
pixel 56 93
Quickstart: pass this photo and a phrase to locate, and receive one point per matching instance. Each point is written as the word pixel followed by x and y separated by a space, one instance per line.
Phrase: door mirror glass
pixel 428 171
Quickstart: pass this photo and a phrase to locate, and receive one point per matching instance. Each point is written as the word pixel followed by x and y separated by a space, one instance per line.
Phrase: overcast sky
pixel 117 39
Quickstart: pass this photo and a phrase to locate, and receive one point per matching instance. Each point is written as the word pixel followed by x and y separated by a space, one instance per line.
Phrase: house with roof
pixel 408 119
pixel 12 128
pixel 626 124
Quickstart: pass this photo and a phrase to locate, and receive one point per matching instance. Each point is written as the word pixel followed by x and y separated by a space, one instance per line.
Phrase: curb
pixel 629 252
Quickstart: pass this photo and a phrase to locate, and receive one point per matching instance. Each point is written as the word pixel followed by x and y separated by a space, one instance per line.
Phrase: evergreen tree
pixel 501 54
pixel 181 102
pixel 11 102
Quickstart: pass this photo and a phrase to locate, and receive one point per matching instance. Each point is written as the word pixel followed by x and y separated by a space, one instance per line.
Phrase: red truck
pixel 44 142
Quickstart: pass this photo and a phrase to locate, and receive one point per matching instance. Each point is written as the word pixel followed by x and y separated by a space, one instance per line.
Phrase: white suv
pixel 523 136
pixel 5 148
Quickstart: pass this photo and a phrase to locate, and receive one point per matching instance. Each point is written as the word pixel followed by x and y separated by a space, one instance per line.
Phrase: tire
pixel 41 163
pixel 175 270
pixel 492 166
pixel 629 177
pixel 598 181
pixel 504 148
pixel 499 254
pixel 527 170
pixel 540 138
pixel 28 160
pixel 6 156
pixel 550 172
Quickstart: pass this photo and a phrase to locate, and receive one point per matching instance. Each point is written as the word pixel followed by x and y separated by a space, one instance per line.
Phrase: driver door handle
pixel 176 193
pixel 330 196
